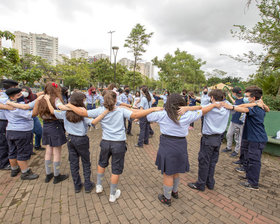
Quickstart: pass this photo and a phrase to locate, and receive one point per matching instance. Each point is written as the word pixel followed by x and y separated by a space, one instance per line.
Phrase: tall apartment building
pixel 79 53
pixel 146 68
pixel 101 56
pixel 37 44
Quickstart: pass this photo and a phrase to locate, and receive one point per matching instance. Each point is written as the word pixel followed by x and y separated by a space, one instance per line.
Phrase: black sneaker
pixel 48 178
pixel 14 173
pixel 249 186
pixel 88 190
pixel 175 195
pixel 233 154
pixel 29 175
pixel 8 167
pixel 164 200
pixel 59 178
pixel 139 146
pixel 39 148
pixel 238 162
pixel 78 190
pixel 193 186
pixel 226 150
pixel 240 169
pixel 210 187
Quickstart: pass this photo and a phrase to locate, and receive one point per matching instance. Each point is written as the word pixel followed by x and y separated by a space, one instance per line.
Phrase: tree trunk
pixel 134 68
pixel 278 94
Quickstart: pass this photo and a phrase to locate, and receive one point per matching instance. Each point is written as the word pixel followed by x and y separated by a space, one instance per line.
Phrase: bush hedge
pixel 272 101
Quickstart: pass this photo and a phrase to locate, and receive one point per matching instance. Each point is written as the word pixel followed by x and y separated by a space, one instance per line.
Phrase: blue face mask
pixel 234 97
pixel 246 100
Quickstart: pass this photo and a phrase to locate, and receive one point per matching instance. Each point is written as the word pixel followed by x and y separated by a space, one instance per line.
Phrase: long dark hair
pixel 146 93
pixel 173 104
pixel 77 99
pixel 31 97
pixel 110 98
pixel 54 91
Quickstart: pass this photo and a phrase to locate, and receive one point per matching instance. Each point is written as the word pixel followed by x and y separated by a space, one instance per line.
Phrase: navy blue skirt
pixel 53 133
pixel 172 156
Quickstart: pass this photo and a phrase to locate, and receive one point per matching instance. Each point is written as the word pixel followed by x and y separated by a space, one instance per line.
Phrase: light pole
pixel 111 32
pixel 115 52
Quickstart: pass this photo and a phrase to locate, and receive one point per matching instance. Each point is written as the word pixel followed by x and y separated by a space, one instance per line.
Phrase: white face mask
pixel 25 94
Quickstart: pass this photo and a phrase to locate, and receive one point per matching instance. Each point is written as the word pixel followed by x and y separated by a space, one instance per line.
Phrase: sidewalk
pixel 37 202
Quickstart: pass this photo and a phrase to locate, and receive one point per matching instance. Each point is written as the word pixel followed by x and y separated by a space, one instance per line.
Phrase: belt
pixel 113 141
pixel 3 120
pixel 212 135
pixel 76 135
pixel 170 136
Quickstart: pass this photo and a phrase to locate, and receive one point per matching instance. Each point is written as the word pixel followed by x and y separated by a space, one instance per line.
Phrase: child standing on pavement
pixel 78 141
pixel 172 156
pixel 113 139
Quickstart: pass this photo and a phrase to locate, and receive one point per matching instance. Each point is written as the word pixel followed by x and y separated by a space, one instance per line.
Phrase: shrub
pixel 272 101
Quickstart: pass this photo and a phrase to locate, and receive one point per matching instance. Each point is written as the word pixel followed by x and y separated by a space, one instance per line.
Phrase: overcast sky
pixel 200 27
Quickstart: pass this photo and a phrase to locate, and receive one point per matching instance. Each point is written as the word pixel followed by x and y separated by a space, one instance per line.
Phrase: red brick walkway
pixel 37 202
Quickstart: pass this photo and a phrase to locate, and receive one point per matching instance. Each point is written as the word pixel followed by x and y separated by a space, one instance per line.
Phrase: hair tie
pixel 54 85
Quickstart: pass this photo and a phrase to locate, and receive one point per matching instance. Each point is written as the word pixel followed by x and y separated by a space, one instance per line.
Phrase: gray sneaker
pixel 240 169
pixel 226 150
pixel 234 154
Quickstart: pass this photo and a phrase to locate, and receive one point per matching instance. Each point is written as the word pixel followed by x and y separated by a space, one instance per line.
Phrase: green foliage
pixel 75 72
pixel 128 78
pixel 7 35
pixel 136 42
pixel 270 83
pixel 272 101
pixel 180 69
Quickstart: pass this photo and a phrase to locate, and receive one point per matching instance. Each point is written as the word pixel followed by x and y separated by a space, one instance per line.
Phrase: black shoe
pixel 129 134
pixel 29 175
pixel 48 178
pixel 226 150
pixel 164 200
pixel 242 177
pixel 249 186
pixel 88 190
pixel 238 162
pixel 240 169
pixel 59 178
pixel 78 190
pixel 14 173
pixel 40 148
pixel 175 195
pixel 210 188
pixel 8 167
pixel 193 186
pixel 139 146
pixel 234 154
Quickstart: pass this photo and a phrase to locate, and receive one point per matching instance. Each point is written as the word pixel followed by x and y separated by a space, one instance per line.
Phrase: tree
pixel 136 42
pixel 75 72
pixel 130 78
pixel 7 35
pixel 179 69
pixel 101 71
pixel 266 33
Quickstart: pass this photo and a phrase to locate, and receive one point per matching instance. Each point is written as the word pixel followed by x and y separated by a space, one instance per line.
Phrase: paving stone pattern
pixel 37 202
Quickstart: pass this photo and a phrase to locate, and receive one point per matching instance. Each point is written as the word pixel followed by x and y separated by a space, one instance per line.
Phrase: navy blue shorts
pixel 117 150
pixel 53 134
pixel 172 156
pixel 20 144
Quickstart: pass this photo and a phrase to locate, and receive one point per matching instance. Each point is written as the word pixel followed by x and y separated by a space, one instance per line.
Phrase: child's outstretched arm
pixel 184 109
pixel 78 110
pixel 47 98
pixel 100 117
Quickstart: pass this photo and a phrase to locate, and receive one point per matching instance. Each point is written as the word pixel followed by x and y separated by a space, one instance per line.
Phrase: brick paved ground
pixel 37 202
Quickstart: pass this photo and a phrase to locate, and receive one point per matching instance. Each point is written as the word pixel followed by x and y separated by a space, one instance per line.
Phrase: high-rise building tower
pixel 79 53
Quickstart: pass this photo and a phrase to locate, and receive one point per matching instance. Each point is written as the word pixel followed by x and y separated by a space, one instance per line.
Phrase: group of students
pixel 174 121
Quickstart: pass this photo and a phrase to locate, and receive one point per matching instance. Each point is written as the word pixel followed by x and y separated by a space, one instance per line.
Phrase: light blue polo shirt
pixel 164 97
pixel 124 98
pixel 169 127
pixel 78 129
pixel 145 104
pixel 3 99
pixel 19 120
pixel 92 99
pixel 112 124
pixel 215 121
pixel 204 99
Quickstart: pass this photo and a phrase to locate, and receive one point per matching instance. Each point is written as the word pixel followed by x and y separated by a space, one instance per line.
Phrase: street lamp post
pixel 115 52
pixel 111 32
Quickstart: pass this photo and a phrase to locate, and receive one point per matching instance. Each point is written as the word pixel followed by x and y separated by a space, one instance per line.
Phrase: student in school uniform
pixel 127 98
pixel 164 97
pixel 192 102
pixel 236 125
pixel 53 131
pixel 78 141
pixel 4 148
pixel 92 97
pixel 20 137
pixel 145 129
pixel 205 100
pixel 255 136
pixel 172 156
pixel 215 123
pixel 113 138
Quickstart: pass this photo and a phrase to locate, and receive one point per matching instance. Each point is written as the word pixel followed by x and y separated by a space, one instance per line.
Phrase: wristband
pixel 233 107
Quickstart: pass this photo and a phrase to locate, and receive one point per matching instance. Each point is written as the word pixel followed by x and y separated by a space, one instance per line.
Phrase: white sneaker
pixel 99 189
pixel 113 198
